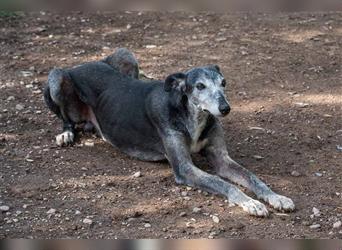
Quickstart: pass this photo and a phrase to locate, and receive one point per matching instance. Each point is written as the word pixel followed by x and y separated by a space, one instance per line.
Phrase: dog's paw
pixel 255 208
pixel 280 202
pixel 64 139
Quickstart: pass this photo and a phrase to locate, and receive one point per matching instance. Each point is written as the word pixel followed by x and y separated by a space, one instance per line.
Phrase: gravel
pixel 196 210
pixel 51 211
pixel 87 221
pixel 137 174
pixel 19 107
pixel 337 224
pixel 216 219
pixel 315 226
pixel 4 208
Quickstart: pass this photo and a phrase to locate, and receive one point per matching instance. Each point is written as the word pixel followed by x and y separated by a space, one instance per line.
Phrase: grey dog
pixel 156 120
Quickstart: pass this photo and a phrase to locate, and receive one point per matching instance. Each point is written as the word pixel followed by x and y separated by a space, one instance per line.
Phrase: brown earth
pixel 284 74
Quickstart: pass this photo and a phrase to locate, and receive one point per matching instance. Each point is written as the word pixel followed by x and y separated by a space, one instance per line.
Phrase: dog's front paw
pixel 255 208
pixel 280 202
pixel 65 139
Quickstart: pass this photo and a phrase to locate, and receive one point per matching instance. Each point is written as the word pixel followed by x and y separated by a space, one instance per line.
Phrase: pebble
pixel 316 212
pixel 295 173
pixel 51 211
pixel 337 224
pixel 147 225
pixel 302 104
pixel 19 107
pixel 305 223
pixel 87 221
pixel 4 208
pixel 26 73
pixel 258 157
pixel 137 174
pixel 77 212
pixel 196 210
pixel 319 174
pixel 10 98
pixel 182 214
pixel 89 144
pixel 184 193
pixel 151 46
pixel 215 219
pixel 315 226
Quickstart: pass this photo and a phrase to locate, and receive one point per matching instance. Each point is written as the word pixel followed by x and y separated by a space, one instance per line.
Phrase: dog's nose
pixel 224 109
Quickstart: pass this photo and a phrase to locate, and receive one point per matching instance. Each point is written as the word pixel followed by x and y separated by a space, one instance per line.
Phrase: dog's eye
pixel 224 83
pixel 200 86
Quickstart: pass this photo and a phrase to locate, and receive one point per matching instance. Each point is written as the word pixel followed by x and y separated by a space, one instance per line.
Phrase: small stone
pixel 147 225
pixel 337 224
pixel 87 221
pixel 131 219
pixel 137 174
pixel 184 193
pixel 128 26
pixel 4 208
pixel 19 107
pixel 258 157
pixel 221 39
pixel 84 169
pixel 77 212
pixel 26 73
pixel 196 210
pixel 151 46
pixel 315 226
pixel 10 98
pixel 295 173
pixel 305 223
pixel 89 144
pixel 182 214
pixel 51 211
pixel 215 219
pixel 302 105
pixel 319 174
pixel 316 212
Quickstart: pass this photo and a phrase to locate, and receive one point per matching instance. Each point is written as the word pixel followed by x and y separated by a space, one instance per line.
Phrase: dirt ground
pixel 284 77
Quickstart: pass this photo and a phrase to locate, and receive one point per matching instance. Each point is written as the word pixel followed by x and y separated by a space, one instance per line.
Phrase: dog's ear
pixel 175 81
pixel 214 67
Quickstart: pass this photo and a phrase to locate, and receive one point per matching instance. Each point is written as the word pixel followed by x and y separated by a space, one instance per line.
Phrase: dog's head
pixel 203 87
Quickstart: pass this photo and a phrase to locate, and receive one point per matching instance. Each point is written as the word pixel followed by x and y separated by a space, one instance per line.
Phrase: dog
pixel 156 120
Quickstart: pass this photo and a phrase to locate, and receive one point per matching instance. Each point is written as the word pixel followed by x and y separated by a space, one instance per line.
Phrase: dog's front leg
pixel 217 155
pixel 187 173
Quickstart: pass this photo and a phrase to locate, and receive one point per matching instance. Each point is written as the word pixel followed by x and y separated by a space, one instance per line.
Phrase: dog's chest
pixel 195 128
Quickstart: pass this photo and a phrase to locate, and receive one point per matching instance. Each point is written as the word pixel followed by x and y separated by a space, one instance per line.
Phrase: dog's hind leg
pixel 58 95
pixel 187 173
pixel 124 61
pixel 217 155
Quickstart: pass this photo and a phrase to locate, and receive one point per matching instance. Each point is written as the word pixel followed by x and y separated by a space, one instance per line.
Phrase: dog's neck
pixel 196 120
